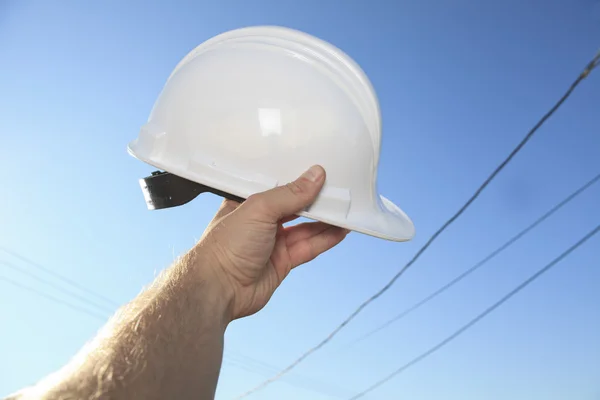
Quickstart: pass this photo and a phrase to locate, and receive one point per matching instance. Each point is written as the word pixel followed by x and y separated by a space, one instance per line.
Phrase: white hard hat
pixel 253 108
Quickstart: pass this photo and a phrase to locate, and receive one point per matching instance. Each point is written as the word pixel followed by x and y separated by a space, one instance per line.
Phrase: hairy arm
pixel 167 343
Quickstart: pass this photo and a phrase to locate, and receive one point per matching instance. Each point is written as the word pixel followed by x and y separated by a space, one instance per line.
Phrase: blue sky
pixel 459 84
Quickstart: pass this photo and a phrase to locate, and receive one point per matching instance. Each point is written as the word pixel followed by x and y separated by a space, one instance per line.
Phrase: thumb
pixel 292 198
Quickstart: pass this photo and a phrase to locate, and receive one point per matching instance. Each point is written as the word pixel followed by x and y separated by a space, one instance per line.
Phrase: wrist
pixel 207 285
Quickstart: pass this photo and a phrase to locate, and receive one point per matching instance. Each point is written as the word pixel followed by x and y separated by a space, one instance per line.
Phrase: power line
pixel 480 316
pixel 589 67
pixel 493 254
pixel 58 276
pixel 54 299
pixel 55 286
pixel 255 366
pixel 593 64
pixel 250 360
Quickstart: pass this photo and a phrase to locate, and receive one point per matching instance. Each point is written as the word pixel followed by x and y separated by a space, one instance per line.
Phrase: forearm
pixel 167 343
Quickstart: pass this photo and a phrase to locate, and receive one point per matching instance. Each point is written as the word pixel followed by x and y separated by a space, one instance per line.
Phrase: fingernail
pixel 314 173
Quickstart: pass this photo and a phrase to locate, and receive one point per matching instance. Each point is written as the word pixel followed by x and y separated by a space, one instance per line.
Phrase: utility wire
pixel 254 366
pixel 480 316
pixel 60 277
pixel 61 289
pixel 83 310
pixel 588 68
pixel 493 254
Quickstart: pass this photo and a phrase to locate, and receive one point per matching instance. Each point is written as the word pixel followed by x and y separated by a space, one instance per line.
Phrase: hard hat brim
pixel 388 222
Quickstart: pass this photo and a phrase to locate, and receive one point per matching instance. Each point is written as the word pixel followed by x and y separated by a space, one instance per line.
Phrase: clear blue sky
pixel 459 84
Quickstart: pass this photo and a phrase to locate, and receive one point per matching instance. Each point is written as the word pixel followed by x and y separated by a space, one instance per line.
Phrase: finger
pixel 283 201
pixel 307 250
pixel 304 231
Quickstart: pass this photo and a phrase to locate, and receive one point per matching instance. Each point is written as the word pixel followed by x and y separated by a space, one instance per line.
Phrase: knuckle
pixel 255 200
pixel 295 188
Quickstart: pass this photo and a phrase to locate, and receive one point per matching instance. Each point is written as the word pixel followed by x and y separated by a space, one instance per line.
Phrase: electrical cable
pixel 58 276
pixel 480 316
pixel 61 289
pixel 261 368
pixel 493 254
pixel 587 70
pixel 54 299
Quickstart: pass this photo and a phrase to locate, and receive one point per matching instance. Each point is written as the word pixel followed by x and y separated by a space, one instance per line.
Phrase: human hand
pixel 250 252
